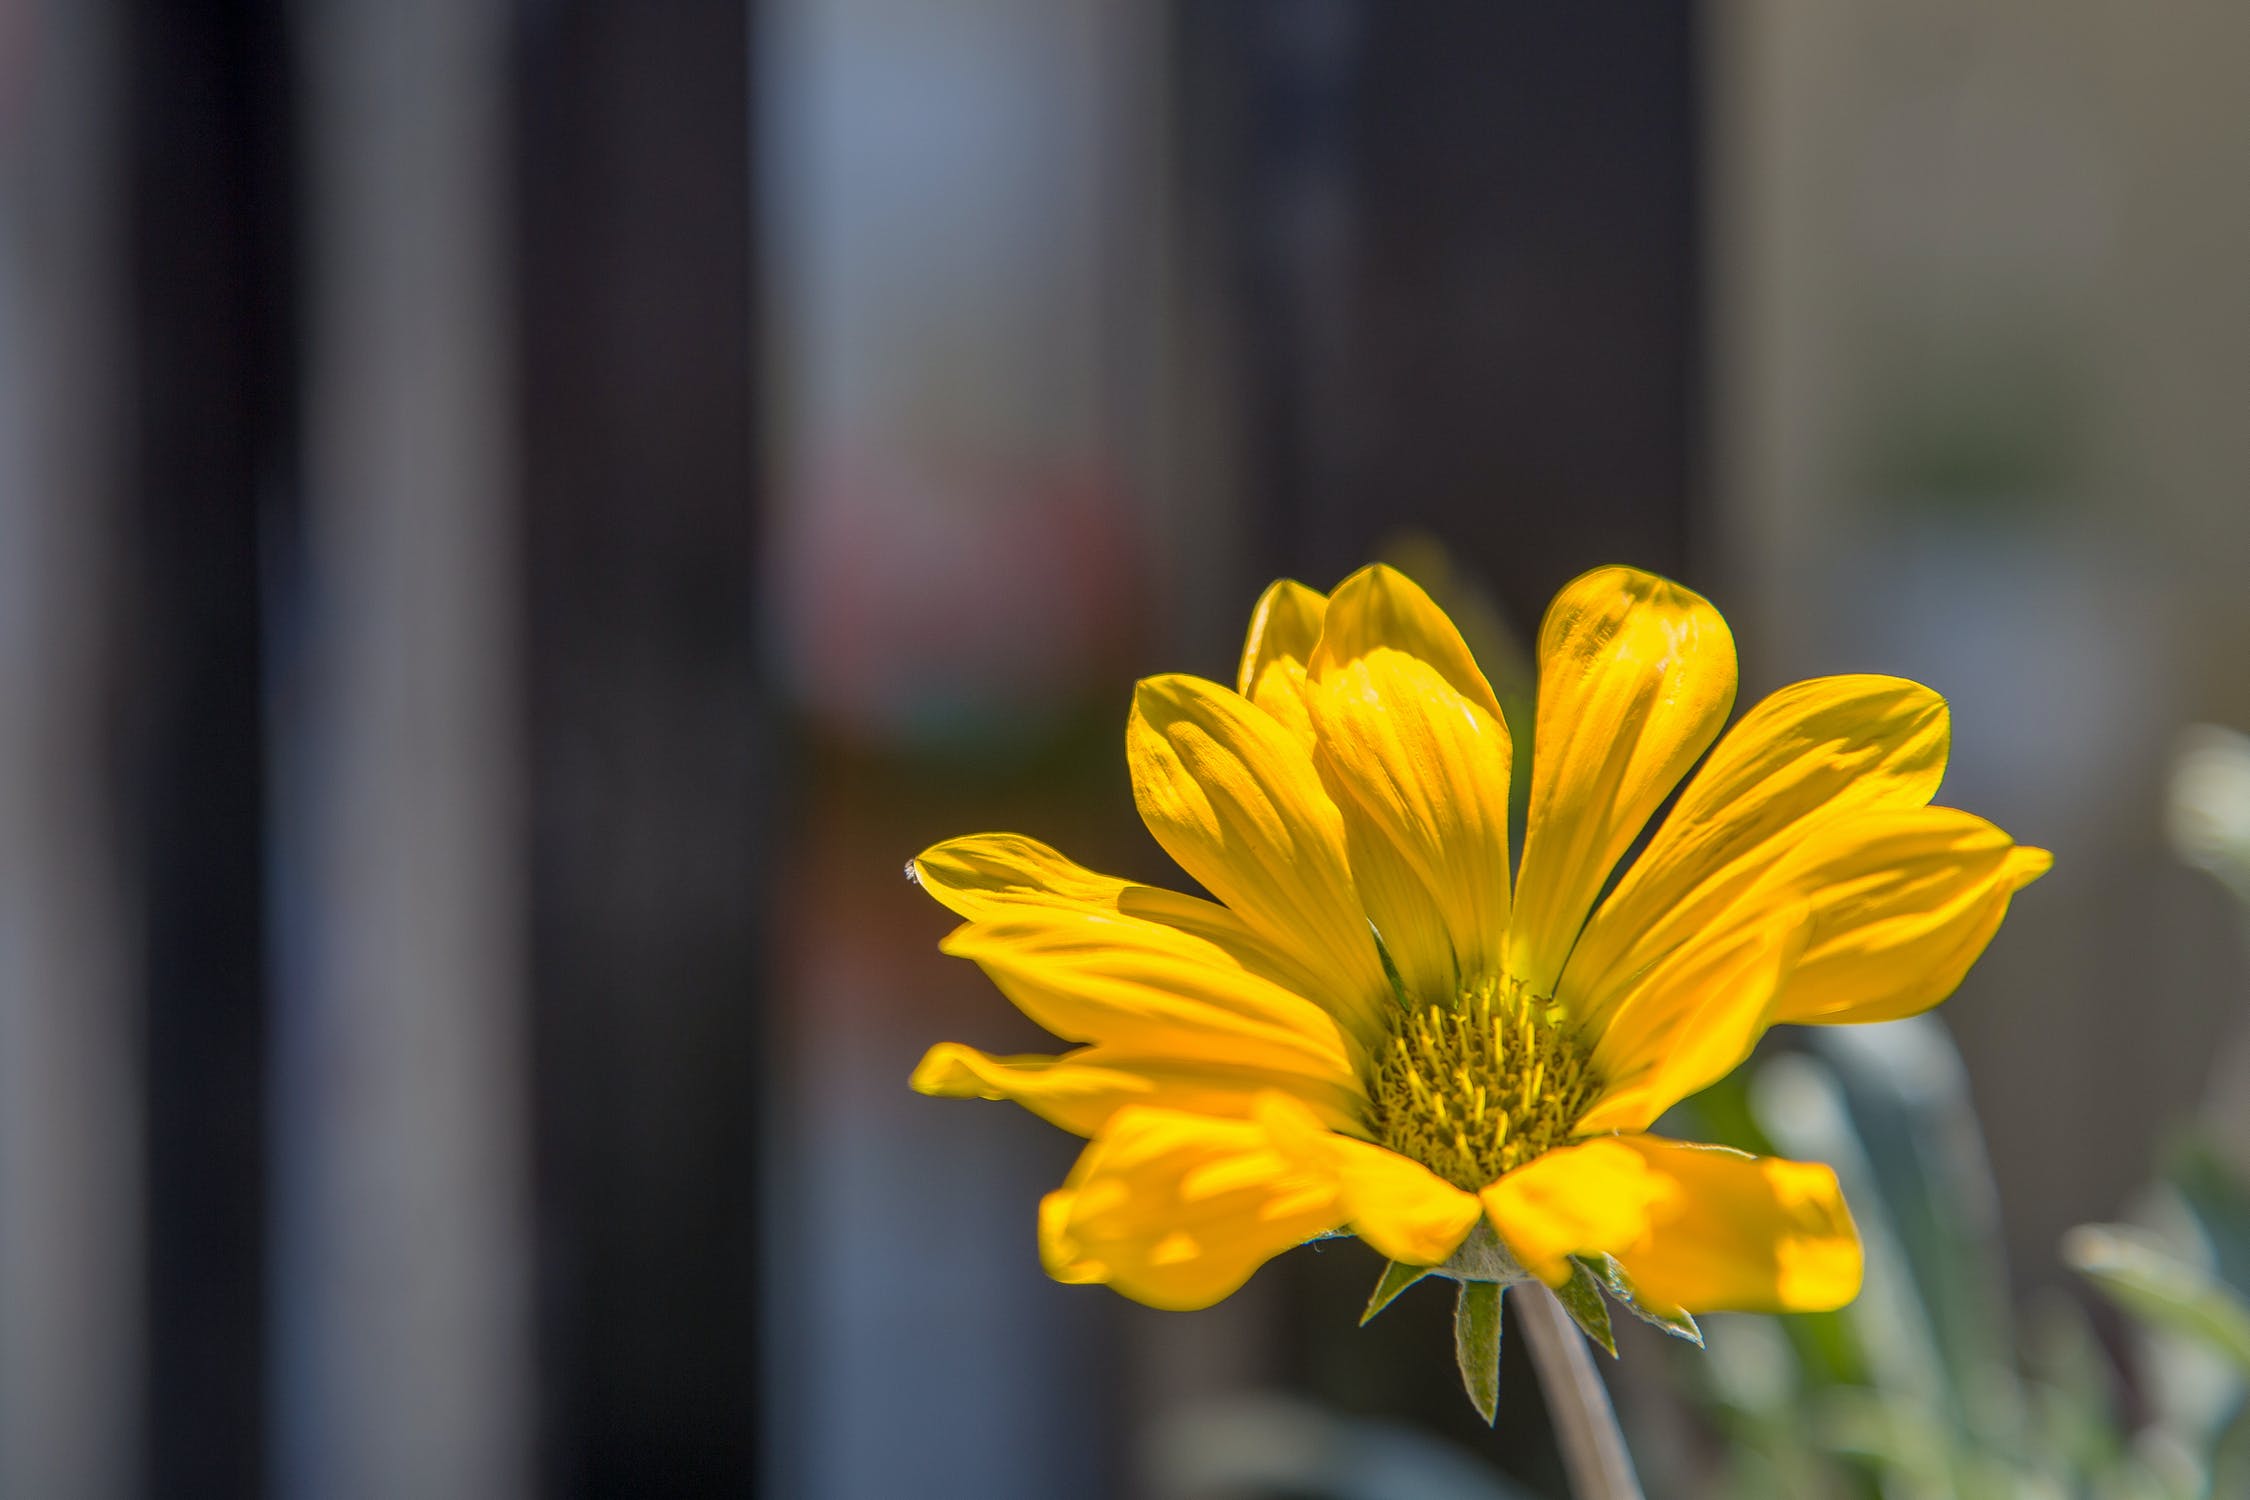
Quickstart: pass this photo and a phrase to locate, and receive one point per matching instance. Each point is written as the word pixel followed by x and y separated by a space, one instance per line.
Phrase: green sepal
pixel 1397 1277
pixel 1476 1345
pixel 1390 970
pixel 1481 1257
pixel 1581 1297
pixel 1612 1278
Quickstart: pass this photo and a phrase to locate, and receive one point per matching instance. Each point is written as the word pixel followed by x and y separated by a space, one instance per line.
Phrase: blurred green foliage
pixel 1930 1384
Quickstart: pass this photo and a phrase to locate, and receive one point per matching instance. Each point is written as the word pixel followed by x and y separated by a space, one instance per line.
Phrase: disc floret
pixel 1475 1089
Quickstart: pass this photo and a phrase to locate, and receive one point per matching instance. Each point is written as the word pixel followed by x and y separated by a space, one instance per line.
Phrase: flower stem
pixel 1593 1448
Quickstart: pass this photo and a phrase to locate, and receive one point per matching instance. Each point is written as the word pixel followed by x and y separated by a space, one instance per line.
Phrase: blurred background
pixel 518 516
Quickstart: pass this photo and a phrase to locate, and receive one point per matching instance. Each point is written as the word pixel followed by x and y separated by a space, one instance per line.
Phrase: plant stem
pixel 1593 1448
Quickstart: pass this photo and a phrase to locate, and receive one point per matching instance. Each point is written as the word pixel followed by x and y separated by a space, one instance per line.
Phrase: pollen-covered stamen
pixel 1476 1089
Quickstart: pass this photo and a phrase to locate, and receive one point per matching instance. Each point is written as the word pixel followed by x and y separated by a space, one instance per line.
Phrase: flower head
pixel 1384 1025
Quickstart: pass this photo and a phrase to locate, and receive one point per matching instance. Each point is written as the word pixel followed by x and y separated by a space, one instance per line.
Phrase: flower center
pixel 1476 1089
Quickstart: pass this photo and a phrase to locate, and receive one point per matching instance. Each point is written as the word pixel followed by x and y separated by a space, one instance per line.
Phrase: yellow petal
pixel 1636 674
pixel 987 875
pixel 1283 630
pixel 1745 1234
pixel 1402 1208
pixel 1280 691
pixel 1808 755
pixel 1418 767
pixel 1233 796
pixel 1697 1228
pixel 1145 990
pixel 2026 863
pixel 1381 608
pixel 1691 1019
pixel 1903 901
pixel 1065 1259
pixel 1576 1200
pixel 990 874
pixel 1176 1210
pixel 1403 793
pixel 1400 910
pixel 1081 1090
pixel 1285 626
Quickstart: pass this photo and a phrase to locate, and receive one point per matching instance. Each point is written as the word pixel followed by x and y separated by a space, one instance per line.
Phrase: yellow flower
pixel 1375 1029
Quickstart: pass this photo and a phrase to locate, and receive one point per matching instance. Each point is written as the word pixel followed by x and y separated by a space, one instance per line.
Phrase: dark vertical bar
pixel 214 370
pixel 1467 251
pixel 1463 238
pixel 633 132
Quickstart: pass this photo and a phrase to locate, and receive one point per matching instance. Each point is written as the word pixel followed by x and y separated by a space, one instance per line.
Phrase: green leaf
pixel 1581 1297
pixel 1476 1345
pixel 1397 1277
pixel 2156 1286
pixel 2220 1200
pixel 1908 1150
pixel 1612 1278
pixel 1808 1115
